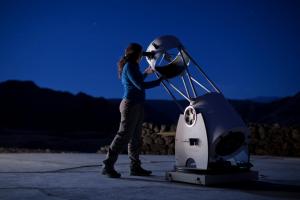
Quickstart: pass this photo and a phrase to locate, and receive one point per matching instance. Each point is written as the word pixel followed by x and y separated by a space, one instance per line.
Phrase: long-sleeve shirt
pixel 133 82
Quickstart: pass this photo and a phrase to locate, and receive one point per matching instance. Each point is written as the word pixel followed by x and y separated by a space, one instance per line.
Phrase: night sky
pixel 248 48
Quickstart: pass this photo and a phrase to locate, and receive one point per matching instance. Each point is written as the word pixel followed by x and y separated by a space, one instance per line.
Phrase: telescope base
pixel 211 179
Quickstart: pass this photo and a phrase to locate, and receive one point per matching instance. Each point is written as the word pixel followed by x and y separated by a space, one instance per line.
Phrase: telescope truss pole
pixel 180 92
pixel 170 93
pixel 188 73
pixel 202 86
pixel 186 89
pixel 202 72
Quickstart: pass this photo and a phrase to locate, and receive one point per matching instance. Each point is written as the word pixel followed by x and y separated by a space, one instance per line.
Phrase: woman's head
pixel 133 53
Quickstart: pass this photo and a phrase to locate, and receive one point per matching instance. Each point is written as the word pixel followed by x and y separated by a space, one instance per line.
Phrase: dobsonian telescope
pixel 211 142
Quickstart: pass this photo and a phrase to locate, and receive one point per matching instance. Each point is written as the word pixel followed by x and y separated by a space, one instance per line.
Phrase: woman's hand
pixel 149 70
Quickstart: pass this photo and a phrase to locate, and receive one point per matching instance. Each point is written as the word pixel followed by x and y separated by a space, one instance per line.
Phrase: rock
pixel 156 148
pixel 148 140
pixel 252 130
pixel 154 136
pixel 173 128
pixel 163 152
pixel 276 126
pixel 260 152
pixel 145 125
pixel 156 129
pixel 171 149
pixel 150 125
pixel 163 128
pixel 171 146
pixel 171 152
pixel 262 133
pixel 144 132
pixel 146 147
pixel 169 139
pixel 159 140
pixel 147 131
pixel 295 134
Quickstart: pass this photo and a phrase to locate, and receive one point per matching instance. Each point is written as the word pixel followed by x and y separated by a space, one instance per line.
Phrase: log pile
pixel 266 139
pixel 275 140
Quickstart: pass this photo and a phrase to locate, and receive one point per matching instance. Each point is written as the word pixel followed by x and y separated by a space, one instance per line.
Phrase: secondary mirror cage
pixel 170 59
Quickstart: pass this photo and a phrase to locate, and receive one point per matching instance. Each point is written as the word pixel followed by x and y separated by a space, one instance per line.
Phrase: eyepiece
pixel 150 55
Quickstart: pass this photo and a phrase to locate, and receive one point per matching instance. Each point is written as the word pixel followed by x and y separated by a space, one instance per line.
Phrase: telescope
pixel 212 141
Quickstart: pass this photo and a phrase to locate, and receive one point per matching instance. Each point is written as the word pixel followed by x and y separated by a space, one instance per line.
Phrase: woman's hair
pixel 132 53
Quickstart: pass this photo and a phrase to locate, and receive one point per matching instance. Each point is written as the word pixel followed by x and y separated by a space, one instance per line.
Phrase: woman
pixel 132 113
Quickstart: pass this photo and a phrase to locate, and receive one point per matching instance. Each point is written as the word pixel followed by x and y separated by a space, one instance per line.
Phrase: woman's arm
pixel 147 71
pixel 137 78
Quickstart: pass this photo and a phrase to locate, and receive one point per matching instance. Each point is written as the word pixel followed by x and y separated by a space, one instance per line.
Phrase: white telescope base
pixel 211 179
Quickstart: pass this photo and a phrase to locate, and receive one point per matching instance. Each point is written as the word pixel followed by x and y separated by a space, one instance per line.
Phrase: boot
pixel 108 165
pixel 110 172
pixel 137 170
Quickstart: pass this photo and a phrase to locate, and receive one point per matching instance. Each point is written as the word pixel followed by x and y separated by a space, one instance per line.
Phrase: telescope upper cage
pixel 169 60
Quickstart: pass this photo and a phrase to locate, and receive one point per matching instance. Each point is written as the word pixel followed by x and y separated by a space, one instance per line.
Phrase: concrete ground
pixel 77 176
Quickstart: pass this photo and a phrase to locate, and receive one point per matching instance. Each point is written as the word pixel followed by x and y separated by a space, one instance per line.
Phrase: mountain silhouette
pixel 24 105
pixel 34 117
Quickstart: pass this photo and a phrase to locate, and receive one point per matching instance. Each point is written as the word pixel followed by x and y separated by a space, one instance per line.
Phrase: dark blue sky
pixel 249 48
